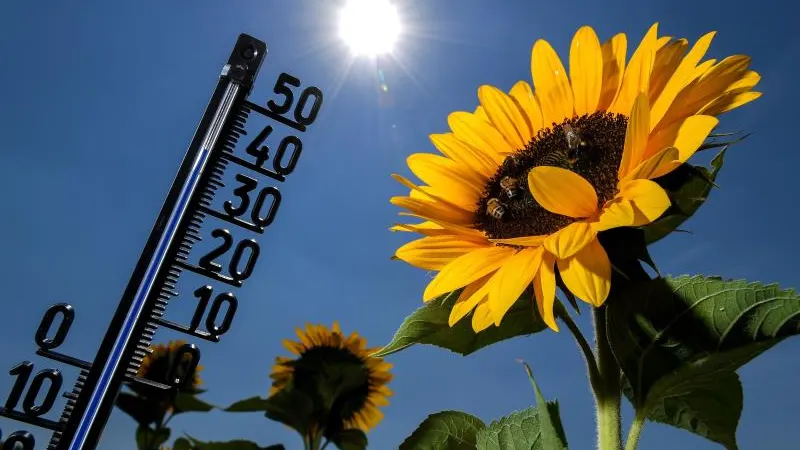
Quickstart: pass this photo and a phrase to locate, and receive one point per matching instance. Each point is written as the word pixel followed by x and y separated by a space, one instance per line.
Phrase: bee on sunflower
pixel 527 182
pixel 342 385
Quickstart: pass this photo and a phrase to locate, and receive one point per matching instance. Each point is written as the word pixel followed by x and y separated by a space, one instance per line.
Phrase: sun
pixel 369 27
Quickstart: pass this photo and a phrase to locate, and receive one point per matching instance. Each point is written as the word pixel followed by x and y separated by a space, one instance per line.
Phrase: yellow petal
pixel 649 200
pixel 435 210
pixel 443 172
pixel 686 136
pixel 680 78
pixel 544 289
pixel 451 228
pixel 748 81
pixel 511 280
pixel 481 113
pixel 483 165
pixel 550 83
pixel 637 74
pixel 701 69
pixel 482 317
pixel 523 241
pixel 478 133
pixel 292 346
pixel 616 213
pixel 443 195
pixel 586 70
pixel 704 90
pixel 614 54
pixel 729 101
pixel 469 298
pixel 561 191
pixel 522 93
pixel 465 270
pixel 646 202
pixel 427 228
pixel 570 239
pixel 657 165
pixel 435 252
pixel 505 115
pixel 662 41
pixel 587 274
pixel 636 136
pixel 667 60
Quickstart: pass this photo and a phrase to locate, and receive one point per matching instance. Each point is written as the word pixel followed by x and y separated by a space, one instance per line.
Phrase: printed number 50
pixel 282 87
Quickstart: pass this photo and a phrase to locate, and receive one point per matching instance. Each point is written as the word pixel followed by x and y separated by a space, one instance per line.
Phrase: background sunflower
pixel 332 384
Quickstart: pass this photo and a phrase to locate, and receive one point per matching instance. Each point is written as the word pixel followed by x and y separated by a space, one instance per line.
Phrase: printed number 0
pixel 24 438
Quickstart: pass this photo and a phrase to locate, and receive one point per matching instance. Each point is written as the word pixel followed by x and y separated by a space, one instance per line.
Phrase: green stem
pixel 608 391
pixel 314 441
pixel 588 355
pixel 633 434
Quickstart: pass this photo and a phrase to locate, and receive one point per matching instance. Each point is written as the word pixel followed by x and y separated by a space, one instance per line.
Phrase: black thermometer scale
pixel 140 313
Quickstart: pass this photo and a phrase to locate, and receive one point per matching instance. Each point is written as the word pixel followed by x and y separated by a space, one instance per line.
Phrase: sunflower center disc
pixel 590 145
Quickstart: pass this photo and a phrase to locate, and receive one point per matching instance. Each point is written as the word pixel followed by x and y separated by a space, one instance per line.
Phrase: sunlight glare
pixel 369 27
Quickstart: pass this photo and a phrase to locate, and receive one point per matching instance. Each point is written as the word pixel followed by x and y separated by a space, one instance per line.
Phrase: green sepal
pixel 688 188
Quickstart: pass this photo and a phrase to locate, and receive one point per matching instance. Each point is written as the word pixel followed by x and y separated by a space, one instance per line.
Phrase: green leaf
pixel 551 432
pixel 680 340
pixel 251 404
pixel 149 439
pixel 185 402
pixel 706 404
pixel 236 444
pixel 144 412
pixel 519 430
pixel 688 187
pixel 429 325
pixel 445 430
pixel 354 439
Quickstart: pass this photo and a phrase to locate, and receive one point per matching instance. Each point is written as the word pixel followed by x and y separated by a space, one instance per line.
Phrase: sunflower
pixel 157 364
pixel 527 181
pixel 359 407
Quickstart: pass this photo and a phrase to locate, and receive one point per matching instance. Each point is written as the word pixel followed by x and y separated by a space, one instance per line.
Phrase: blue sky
pixel 98 101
